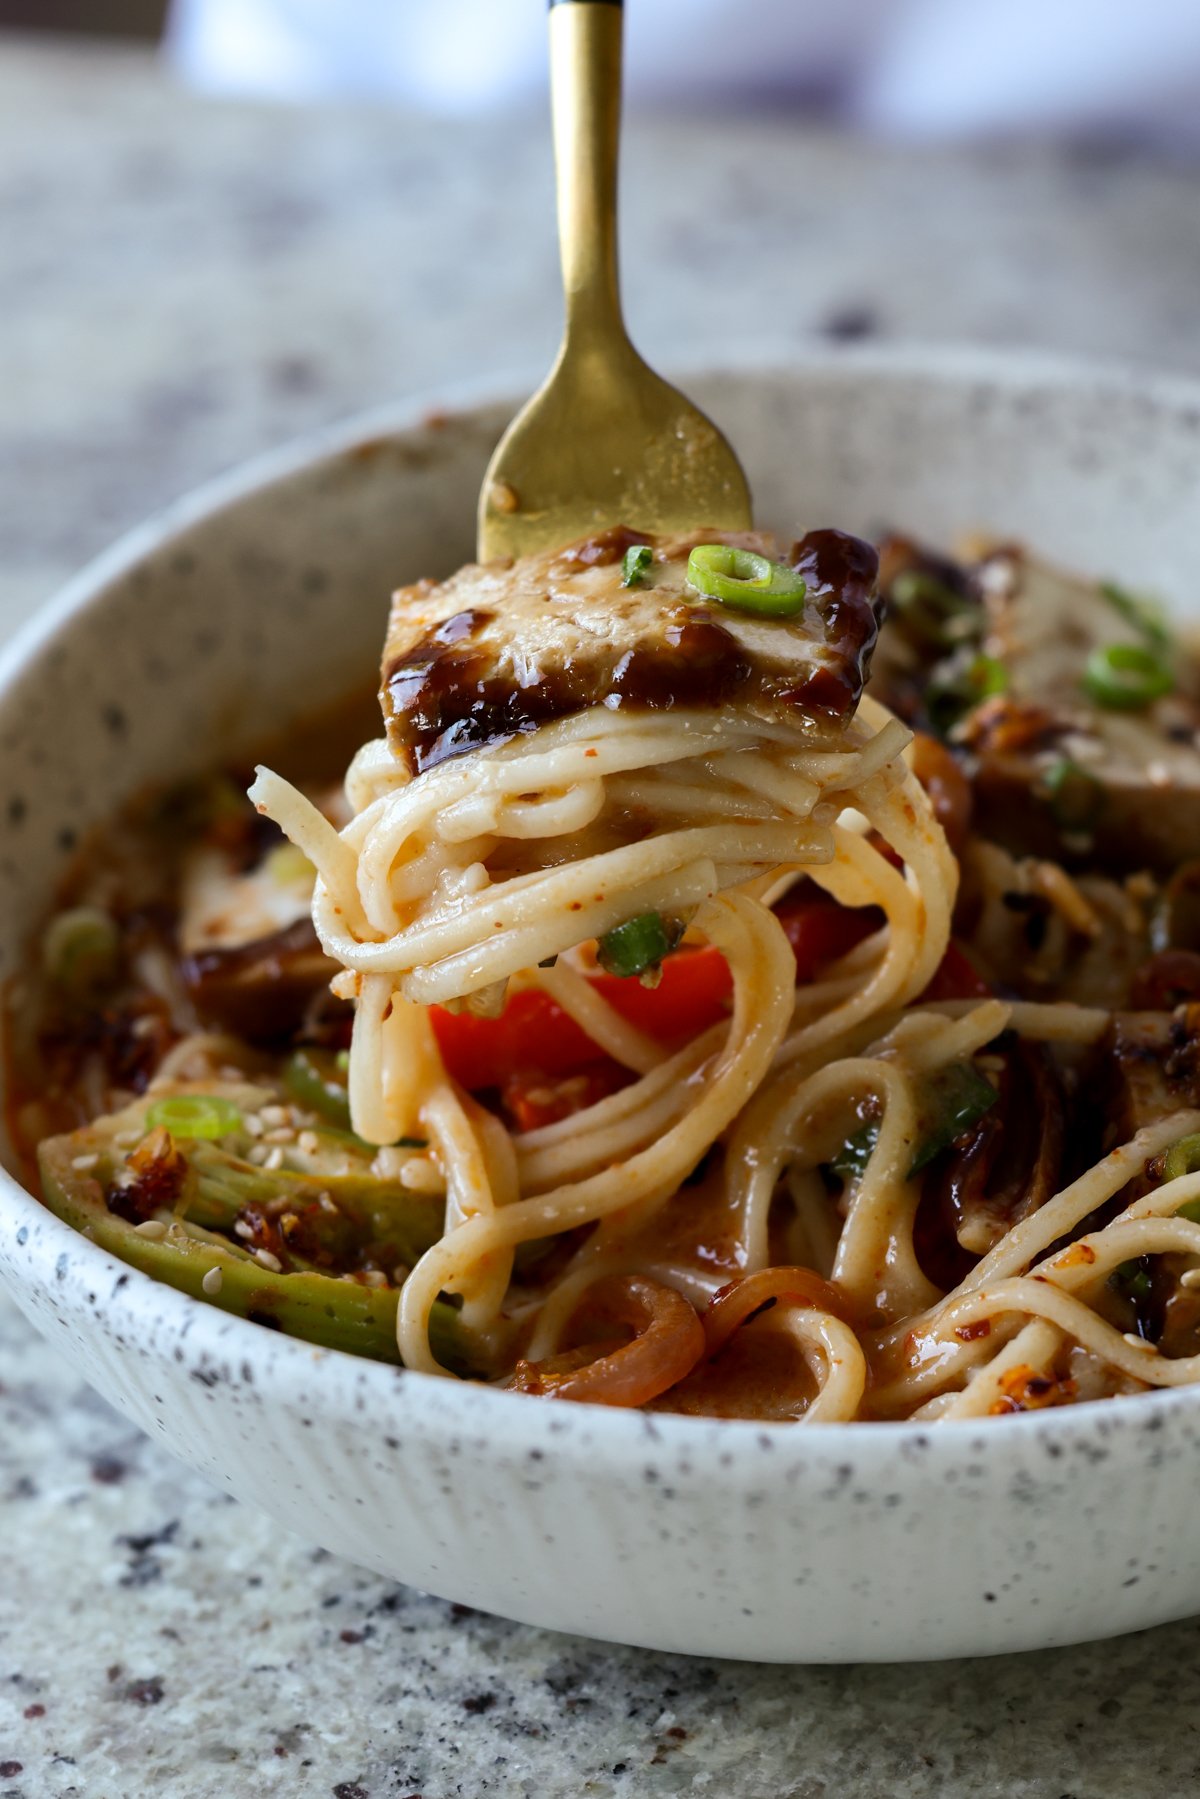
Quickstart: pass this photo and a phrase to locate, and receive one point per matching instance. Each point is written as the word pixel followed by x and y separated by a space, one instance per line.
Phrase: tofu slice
pixel 500 649
pixel 1043 625
pixel 1055 774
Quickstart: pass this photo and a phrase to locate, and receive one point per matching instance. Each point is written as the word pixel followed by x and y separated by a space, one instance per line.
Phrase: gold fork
pixel 605 440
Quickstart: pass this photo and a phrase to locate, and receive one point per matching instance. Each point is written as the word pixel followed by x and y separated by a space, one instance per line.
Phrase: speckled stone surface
pixel 181 284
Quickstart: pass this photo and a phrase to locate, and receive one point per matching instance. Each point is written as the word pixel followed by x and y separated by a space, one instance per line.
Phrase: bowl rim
pixel 59 1261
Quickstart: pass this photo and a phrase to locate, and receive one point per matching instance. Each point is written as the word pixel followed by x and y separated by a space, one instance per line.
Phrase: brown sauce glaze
pixel 843 607
pixel 604 548
pixel 698 663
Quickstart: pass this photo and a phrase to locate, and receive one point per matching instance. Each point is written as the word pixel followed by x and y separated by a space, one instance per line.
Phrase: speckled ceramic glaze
pixel 267 595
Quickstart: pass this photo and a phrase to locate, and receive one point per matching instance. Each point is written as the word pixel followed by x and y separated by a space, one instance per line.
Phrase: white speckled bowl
pixel 266 595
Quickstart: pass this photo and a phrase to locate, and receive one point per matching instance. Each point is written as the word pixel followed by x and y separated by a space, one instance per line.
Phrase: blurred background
pixel 225 221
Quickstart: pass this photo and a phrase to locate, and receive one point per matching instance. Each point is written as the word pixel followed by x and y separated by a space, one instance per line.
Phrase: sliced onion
pixel 668 1341
pixel 734 1303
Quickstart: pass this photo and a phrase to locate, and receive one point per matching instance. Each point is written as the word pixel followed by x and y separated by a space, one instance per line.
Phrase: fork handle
pixel 585 93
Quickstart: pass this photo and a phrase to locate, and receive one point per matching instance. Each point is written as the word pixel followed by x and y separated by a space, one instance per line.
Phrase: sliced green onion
pixel 852 1158
pixel 1132 1280
pixel 959 1097
pixel 194 1115
pixel 933 612
pixel 948 698
pixel 1076 797
pixel 634 564
pixel 81 951
pixel 1126 676
pixel 288 866
pixel 638 945
pixel 1144 615
pixel 1184 1158
pixel 746 581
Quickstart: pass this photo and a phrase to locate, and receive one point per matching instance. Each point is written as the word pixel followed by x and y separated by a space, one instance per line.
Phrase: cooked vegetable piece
pixel 194 1115
pixel 638 946
pixel 1126 677
pixel 746 581
pixel 932 611
pixel 851 1160
pixel 326 1227
pixel 957 1096
pixel 1143 614
pixel 1184 1158
pixel 635 563
pixel 81 952
pixel 950 696
pixel 314 1078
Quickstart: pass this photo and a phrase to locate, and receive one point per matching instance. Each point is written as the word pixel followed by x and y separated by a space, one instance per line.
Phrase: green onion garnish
pixel 194 1115
pixel 288 866
pixel 1182 1158
pixel 1142 614
pixel 638 945
pixel 1132 1280
pixel 852 1158
pixel 933 612
pixel 1076 797
pixel 634 564
pixel 960 1096
pixel 1123 677
pixel 80 951
pixel 746 581
pixel 948 698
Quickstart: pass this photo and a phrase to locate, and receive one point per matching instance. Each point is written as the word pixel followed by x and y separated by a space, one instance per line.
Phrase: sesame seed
pixel 375 1277
pixel 284 1134
pixel 1138 1342
pixel 400 1274
pixel 276 1115
pixel 252 1124
pixel 257 1153
pixel 153 1228
pixel 242 1229
pixel 84 1162
pixel 325 1201
pixel 309 1142
pixel 212 1282
pixel 127 1139
pixel 274 1160
pixel 145 1026
pixel 265 1259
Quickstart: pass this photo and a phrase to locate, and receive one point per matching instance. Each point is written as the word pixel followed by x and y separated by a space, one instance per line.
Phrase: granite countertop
pixel 182 283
